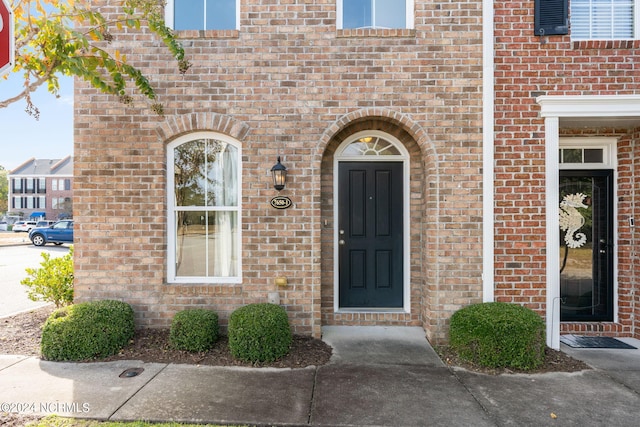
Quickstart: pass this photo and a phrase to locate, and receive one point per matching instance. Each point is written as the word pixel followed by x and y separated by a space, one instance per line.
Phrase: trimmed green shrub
pixel 87 330
pixel 259 333
pixel 498 335
pixel 53 281
pixel 194 330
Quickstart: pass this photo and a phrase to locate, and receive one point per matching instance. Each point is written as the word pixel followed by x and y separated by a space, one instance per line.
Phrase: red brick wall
pixel 288 83
pixel 629 198
pixel 526 67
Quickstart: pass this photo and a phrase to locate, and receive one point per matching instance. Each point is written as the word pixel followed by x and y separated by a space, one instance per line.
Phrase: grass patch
pixel 56 421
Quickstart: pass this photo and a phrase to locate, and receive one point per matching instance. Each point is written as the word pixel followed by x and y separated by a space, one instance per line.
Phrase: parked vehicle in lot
pixel 3 225
pixel 44 223
pixel 58 233
pixel 24 225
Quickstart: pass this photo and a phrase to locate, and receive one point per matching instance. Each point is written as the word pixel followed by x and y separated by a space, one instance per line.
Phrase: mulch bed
pixel 21 334
pixel 152 345
pixel 554 361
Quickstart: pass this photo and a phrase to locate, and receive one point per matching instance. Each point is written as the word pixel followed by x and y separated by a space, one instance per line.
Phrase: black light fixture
pixel 279 173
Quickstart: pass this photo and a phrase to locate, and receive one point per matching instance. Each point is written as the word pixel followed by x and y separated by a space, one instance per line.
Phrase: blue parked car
pixel 58 233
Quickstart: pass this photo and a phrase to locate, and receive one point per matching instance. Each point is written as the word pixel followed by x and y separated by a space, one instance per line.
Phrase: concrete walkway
pixel 378 376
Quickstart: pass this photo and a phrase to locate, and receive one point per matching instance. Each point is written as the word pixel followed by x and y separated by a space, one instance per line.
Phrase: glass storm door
pixel 370 236
pixel 586 245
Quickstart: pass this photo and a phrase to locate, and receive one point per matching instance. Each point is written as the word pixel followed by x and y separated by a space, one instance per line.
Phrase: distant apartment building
pixel 42 188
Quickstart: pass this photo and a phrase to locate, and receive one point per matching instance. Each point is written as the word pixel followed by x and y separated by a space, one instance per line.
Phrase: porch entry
pixel 586 245
pixel 370 235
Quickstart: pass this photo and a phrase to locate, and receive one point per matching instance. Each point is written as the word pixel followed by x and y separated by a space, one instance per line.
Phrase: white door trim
pixel 609 145
pixel 406 236
pixel 553 108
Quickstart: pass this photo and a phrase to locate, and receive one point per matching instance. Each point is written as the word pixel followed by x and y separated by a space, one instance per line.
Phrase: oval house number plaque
pixel 281 202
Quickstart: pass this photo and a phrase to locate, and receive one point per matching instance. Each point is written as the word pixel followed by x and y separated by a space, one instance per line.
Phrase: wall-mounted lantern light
pixel 279 173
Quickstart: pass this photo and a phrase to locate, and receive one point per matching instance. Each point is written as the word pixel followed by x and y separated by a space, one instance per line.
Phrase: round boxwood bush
pixel 87 330
pixel 498 335
pixel 194 330
pixel 259 333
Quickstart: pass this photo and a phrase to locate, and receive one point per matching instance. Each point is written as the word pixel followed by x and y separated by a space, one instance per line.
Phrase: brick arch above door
pixel 400 125
pixel 417 216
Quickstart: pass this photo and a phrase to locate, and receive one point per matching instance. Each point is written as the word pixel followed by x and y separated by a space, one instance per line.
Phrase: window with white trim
pixel 203 14
pixel 587 153
pixel 604 19
pixel 204 209
pixel 394 14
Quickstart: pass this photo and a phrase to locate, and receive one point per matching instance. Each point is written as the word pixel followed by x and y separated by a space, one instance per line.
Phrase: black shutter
pixel 551 17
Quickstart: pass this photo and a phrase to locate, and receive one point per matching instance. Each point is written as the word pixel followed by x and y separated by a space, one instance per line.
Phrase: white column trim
pixel 553 108
pixel 488 169
pixel 552 143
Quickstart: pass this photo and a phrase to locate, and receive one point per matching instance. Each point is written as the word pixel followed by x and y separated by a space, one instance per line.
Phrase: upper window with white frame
pixel 604 19
pixel 396 14
pixel 203 176
pixel 203 14
pixel 587 153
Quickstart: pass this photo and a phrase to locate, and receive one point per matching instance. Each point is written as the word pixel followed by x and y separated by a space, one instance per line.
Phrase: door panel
pixel 586 245
pixel 370 204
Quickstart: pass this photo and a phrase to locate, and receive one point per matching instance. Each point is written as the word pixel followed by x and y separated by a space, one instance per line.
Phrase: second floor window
pixel 603 19
pixel 202 14
pixel 394 14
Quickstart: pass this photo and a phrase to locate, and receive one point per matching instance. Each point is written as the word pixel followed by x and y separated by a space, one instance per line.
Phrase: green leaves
pixel 87 330
pixel 56 37
pixel 53 281
pixel 498 334
pixel 259 333
pixel 194 330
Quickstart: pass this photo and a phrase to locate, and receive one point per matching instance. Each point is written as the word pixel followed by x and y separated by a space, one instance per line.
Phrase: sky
pixel 23 137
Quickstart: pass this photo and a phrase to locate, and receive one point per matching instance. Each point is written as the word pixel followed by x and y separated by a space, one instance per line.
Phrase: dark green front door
pixel 370 239
pixel 586 245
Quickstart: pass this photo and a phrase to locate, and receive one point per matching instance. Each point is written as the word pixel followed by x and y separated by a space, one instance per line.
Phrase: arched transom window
pixel 371 146
pixel 204 210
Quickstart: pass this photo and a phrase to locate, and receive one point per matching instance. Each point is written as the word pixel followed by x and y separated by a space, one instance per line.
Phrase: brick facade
pixel 289 83
pixel 527 67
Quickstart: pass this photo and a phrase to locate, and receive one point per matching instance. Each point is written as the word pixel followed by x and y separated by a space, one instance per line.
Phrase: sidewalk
pixel 378 376
pixel 9 238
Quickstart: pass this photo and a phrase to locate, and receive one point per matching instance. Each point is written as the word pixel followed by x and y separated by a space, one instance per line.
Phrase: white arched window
pixel 203 177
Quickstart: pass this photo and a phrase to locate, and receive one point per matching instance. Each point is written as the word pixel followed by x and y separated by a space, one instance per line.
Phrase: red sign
pixel 6 38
